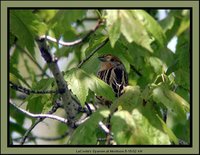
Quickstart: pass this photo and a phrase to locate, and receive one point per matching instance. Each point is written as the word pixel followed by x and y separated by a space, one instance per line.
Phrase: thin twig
pixel 88 19
pixel 55 117
pixel 83 118
pixel 104 128
pixel 25 136
pixel 109 134
pixel 89 109
pixel 135 70
pixel 53 110
pixel 92 53
pixel 73 43
pixel 29 91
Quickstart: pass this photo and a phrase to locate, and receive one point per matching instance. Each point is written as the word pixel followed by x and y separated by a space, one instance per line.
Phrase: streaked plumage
pixel 113 72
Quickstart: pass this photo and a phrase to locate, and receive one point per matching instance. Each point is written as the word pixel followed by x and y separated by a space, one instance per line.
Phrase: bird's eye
pixel 112 59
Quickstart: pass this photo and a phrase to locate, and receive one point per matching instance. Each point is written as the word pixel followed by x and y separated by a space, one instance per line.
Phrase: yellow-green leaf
pixel 80 82
pixel 176 104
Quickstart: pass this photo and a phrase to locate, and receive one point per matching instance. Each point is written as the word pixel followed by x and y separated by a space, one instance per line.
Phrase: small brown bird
pixel 113 72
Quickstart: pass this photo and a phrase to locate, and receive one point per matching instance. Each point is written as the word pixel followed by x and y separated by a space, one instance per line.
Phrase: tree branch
pixel 53 110
pixel 89 19
pixel 104 128
pixel 73 43
pixel 40 116
pixel 29 91
pixel 71 107
pixel 83 118
pixel 109 134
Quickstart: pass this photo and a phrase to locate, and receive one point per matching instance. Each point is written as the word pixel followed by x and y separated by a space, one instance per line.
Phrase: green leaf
pixel 94 42
pixel 166 134
pixel 40 103
pixel 182 55
pixel 26 26
pixel 151 26
pixel 14 127
pixel 167 23
pixel 123 127
pixel 43 84
pixel 132 93
pixel 63 51
pixel 135 128
pixel 139 58
pixel 185 24
pixel 17 116
pixel 11 40
pixel 13 79
pixel 133 30
pixel 183 93
pixel 157 65
pixel 16 77
pixel 176 22
pixel 113 25
pixel 34 103
pixel 174 67
pixel 80 82
pixel 92 64
pixel 63 20
pixel 180 129
pixel 166 55
pixel 170 132
pixel 138 123
pixel 77 82
pixel 175 104
pixel 135 25
pixel 46 15
pixel 86 133
pixel 14 58
pixel 170 26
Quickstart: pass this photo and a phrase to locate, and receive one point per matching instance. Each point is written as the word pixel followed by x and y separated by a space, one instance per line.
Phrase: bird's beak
pixel 101 58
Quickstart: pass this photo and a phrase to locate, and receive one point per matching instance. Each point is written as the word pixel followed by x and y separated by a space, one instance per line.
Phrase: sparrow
pixel 112 71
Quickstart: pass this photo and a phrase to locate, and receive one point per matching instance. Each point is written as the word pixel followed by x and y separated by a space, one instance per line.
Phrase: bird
pixel 113 72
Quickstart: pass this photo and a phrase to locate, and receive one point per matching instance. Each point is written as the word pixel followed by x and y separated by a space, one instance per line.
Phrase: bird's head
pixel 108 61
pixel 109 58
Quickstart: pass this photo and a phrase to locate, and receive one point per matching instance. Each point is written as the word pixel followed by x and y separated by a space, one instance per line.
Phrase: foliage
pixel 159 79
